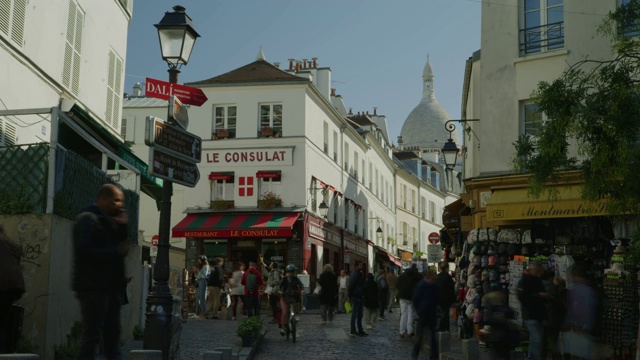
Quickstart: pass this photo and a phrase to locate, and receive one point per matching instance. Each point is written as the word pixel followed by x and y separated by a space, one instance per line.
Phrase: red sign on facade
pixel 266 233
pixel 245 186
pixel 154 240
pixel 163 90
pixel 434 238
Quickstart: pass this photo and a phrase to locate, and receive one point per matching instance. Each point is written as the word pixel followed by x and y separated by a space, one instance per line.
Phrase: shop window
pixel 224 122
pixel 269 182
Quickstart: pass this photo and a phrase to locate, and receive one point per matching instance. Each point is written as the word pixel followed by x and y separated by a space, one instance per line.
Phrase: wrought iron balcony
pixel 542 38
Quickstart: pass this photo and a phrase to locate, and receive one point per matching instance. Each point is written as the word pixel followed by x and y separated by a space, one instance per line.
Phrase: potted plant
pixel 249 329
pixel 220 204
pixel 267 131
pixel 223 134
pixel 269 200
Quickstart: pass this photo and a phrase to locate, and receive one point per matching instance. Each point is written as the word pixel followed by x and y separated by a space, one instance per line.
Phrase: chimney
pixel 333 92
pixel 358 113
pixel 276 64
pixel 304 63
pixel 137 89
pixel 350 111
pixel 367 112
pixel 375 111
pixel 298 66
pixel 291 63
pixel 315 62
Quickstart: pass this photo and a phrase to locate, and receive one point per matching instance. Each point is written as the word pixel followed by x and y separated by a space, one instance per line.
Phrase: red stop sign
pixel 434 238
pixel 154 240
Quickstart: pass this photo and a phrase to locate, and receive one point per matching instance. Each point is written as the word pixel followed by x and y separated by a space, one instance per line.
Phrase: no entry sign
pixel 434 238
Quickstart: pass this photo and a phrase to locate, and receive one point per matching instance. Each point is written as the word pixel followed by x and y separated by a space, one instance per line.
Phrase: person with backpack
pixel 214 286
pixel 383 293
pixel 252 281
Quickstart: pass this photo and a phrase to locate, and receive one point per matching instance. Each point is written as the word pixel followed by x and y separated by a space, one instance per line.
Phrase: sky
pixel 376 49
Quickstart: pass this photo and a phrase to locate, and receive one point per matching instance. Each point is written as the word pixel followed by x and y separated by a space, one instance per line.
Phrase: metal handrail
pixel 540 38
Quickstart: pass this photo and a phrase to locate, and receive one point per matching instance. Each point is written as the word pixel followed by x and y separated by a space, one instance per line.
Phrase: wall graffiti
pixel 32 237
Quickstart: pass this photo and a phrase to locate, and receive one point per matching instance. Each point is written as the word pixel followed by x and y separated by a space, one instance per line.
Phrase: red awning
pixel 268 174
pixel 219 176
pixel 211 226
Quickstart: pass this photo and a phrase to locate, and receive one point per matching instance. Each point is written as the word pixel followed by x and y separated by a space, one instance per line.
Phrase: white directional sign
pixel 434 253
pixel 172 140
pixel 179 114
pixel 172 168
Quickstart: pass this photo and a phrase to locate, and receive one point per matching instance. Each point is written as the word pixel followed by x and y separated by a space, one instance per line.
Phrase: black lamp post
pixel 162 328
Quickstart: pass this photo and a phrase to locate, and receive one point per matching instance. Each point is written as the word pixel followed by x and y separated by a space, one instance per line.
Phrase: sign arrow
pixel 172 168
pixel 163 90
pixel 172 140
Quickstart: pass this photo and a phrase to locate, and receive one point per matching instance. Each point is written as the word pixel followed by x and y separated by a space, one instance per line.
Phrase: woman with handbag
pixel 273 281
pixel 328 284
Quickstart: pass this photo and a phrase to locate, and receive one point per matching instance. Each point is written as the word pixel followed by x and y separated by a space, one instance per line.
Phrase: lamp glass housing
pixel 177 37
pixel 450 152
pixel 379 233
pixel 323 208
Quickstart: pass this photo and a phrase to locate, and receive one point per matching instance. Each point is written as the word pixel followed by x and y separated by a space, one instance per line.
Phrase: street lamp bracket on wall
pixel 323 208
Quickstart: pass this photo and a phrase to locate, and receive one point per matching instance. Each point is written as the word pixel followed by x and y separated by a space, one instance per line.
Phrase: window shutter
pixel 110 71
pixel 17 23
pixel 117 98
pixel 73 48
pixel 7 133
pixel 75 86
pixel 5 16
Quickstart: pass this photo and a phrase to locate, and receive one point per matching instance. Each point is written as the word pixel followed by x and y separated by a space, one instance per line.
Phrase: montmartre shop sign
pixel 323 234
pixel 249 157
pixel 267 233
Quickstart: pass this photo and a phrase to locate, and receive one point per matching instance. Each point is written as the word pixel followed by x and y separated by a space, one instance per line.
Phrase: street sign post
pixel 172 168
pixel 172 140
pixel 178 113
pixel 163 90
pixel 434 253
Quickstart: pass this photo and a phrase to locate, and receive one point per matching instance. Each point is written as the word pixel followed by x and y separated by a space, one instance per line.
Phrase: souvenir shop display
pixel 620 304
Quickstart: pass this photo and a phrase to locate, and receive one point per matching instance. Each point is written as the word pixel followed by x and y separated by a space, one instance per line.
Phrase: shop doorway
pixel 246 256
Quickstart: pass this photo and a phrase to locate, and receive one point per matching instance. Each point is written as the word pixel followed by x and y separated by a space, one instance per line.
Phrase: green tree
pixel 596 103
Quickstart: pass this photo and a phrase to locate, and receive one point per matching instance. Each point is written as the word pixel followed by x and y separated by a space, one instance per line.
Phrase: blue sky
pixel 376 49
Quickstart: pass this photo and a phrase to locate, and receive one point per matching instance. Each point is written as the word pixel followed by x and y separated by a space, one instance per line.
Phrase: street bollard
pixel 145 355
pixel 19 357
pixel 226 352
pixel 213 355
pixel 470 349
pixel 444 341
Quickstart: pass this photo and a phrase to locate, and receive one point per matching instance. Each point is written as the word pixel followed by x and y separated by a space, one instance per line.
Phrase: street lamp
pixel 379 233
pixel 177 38
pixel 323 208
pixel 450 149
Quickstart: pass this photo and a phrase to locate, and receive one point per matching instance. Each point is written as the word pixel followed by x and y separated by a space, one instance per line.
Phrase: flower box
pixel 220 204
pixel 267 131
pixel 222 134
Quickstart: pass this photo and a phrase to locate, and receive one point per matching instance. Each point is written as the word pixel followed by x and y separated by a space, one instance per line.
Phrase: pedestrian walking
pixel 426 303
pixel 447 295
pixel 11 286
pixel 273 282
pixel 406 283
pixel 503 335
pixel 356 293
pixel 202 277
pixel 581 316
pixel 98 244
pixel 555 315
pixel 252 281
pixel 328 282
pixel 237 290
pixel 532 298
pixel 343 291
pixel 392 282
pixel 214 287
pixel 383 293
pixel 370 301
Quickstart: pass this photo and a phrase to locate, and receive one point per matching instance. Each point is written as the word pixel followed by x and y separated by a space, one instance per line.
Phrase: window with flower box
pixel 222 190
pixel 224 122
pixel 270 121
pixel 270 188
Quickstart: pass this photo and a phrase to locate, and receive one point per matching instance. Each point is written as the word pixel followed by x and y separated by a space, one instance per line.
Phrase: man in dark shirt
pixel 532 298
pixel 356 293
pixel 447 295
pixel 425 302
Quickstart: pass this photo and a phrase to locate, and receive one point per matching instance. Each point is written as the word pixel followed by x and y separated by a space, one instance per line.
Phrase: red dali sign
pixel 163 90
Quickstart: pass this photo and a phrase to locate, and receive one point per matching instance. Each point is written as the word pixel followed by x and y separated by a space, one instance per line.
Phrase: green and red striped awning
pixel 210 226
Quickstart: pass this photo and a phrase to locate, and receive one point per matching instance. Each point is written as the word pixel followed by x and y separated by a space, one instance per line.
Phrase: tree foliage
pixel 595 105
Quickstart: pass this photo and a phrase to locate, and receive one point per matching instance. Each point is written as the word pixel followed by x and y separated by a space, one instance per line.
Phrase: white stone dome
pixel 424 127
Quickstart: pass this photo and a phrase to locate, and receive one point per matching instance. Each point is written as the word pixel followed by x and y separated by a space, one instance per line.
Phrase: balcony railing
pixel 542 38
